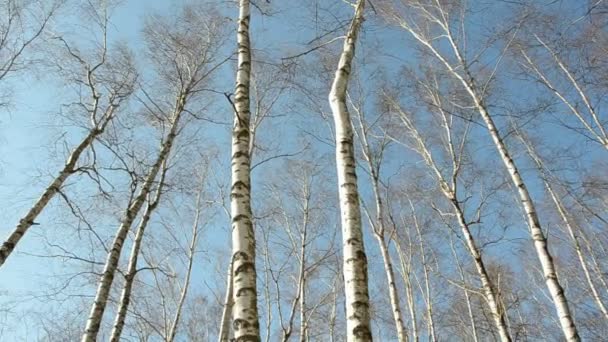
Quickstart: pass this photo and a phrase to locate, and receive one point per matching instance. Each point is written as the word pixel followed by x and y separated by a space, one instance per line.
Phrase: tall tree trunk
pixel 538 237
pixel 355 261
pixel 378 226
pixel 107 277
pixel 224 334
pixel 450 193
pixel 125 297
pixel 427 282
pixel 68 169
pixel 245 312
pixel 467 297
pixel 569 226
pixel 191 252
pixel 406 270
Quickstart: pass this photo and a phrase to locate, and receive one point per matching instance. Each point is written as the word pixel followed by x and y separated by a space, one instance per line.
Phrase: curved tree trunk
pixel 107 277
pixel 245 312
pixel 355 261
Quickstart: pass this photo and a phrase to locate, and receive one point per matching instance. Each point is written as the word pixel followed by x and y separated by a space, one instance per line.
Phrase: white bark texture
pixel 244 292
pixel 355 260
pixel 107 277
pixel 69 168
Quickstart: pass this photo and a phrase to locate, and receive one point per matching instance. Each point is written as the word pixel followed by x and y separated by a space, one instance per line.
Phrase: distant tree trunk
pixel 374 163
pixel 125 297
pixel 245 312
pixel 427 281
pixel 355 261
pixel 191 253
pixel 107 277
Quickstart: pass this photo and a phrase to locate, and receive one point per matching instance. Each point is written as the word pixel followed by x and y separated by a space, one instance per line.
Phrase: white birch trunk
pixel 355 261
pixel 107 277
pixel 538 237
pixel 245 312
pixel 569 227
pixel 406 270
pixel 69 168
pixel 379 230
pixel 125 296
pixel 224 334
pixel 191 252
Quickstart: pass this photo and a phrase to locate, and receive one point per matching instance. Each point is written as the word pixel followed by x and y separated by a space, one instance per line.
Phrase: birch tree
pixel 23 24
pixel 449 188
pixel 355 261
pixel 109 79
pixel 192 59
pixel 377 223
pixel 421 18
pixel 244 289
pixel 125 296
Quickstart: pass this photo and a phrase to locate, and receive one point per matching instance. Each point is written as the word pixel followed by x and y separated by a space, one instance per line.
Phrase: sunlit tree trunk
pixel 125 296
pixel 462 73
pixel 570 228
pixel 111 264
pixel 224 334
pixel 378 227
pixel 191 253
pixel 245 313
pixel 467 296
pixel 69 169
pixel 355 261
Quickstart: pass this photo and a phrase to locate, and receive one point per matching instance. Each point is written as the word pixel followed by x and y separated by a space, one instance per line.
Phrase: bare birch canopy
pixel 256 170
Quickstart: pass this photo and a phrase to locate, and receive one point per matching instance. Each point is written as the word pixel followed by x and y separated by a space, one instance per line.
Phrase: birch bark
pixel 462 74
pixel 355 260
pixel 569 225
pixel 125 296
pixel 244 292
pixel 107 277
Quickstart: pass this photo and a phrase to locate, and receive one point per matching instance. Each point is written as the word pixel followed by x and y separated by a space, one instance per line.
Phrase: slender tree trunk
pixel 467 297
pixel 107 277
pixel 69 168
pixel 224 334
pixel 355 261
pixel 303 318
pixel 245 312
pixel 427 290
pixel 569 227
pixel 125 297
pixel 405 273
pixel 538 237
pixel 540 241
pixel 191 252
pixel 449 192
pixel 379 229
